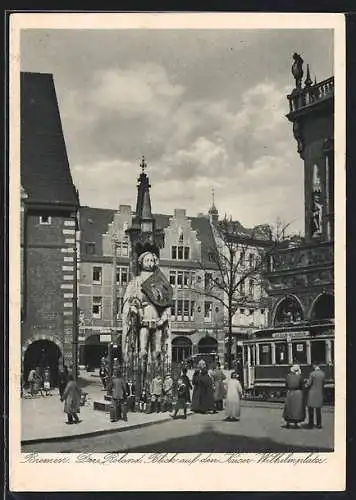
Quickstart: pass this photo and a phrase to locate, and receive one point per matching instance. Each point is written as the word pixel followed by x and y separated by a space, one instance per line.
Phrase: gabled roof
pixel 45 172
pixel 94 223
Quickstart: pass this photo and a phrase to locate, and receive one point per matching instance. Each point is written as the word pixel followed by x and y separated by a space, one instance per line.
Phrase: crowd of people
pixel 212 392
pixel 304 394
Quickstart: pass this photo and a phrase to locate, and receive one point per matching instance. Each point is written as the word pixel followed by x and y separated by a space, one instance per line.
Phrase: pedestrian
pixel 103 374
pixel 167 393
pixel 218 378
pixel 233 398
pixel 203 396
pixel 31 381
pixel 156 393
pixel 315 396
pixel 62 380
pixel 187 383
pixel 117 387
pixel 71 397
pixel 294 407
pixel 131 395
pixel 181 403
pixel 37 382
pixel 143 400
pixel 47 381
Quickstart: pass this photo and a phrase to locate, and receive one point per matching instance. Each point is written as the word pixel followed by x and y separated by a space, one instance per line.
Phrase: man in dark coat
pixel 117 387
pixel 315 385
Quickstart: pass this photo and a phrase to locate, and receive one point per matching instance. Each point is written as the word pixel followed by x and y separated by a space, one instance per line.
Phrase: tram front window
pixel 318 351
pixel 299 352
pixel 281 353
pixel 265 354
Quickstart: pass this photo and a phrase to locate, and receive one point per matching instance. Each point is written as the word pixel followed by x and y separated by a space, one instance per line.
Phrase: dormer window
pixel 90 248
pixel 45 220
pixel 180 252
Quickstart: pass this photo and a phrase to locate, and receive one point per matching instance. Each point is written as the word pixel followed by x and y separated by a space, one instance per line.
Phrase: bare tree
pixel 239 256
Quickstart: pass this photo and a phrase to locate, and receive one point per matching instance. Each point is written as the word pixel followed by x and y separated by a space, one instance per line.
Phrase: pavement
pixel 258 431
pixel 43 418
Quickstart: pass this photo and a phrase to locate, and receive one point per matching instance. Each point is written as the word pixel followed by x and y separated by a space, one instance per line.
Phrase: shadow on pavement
pixel 214 442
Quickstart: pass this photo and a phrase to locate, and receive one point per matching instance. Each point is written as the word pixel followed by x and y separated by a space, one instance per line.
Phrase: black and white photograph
pixel 178 190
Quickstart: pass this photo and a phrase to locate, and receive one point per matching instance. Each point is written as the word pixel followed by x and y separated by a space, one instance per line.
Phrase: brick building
pixel 196 321
pixel 49 204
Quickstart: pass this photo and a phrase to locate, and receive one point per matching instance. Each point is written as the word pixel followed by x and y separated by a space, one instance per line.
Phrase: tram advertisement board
pixel 291 335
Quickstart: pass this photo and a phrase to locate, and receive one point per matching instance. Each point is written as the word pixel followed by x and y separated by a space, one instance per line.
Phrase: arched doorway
pixel 207 345
pixel 323 307
pixel 94 350
pixel 181 349
pixel 288 310
pixel 42 353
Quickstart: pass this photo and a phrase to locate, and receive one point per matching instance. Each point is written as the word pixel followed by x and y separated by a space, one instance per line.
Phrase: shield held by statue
pixel 158 289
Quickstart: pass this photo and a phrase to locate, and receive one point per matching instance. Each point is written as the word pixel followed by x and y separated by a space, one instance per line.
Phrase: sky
pixel 205 107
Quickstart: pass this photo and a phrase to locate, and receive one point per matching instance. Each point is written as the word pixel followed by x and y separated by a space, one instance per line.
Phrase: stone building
pixel 49 204
pixel 301 277
pixel 250 305
pixel 196 321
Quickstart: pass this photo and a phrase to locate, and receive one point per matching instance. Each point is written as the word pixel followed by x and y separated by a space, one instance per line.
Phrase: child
pixel 143 401
pixel 47 382
pixel 181 399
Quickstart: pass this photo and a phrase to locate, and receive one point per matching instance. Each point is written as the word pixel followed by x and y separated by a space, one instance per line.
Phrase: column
pixel 328 352
pixel 273 353
pixel 290 353
pixel 257 354
pixel 248 356
pixel 308 344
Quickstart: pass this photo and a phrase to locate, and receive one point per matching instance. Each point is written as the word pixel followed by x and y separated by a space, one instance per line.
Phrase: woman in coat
pixel 203 395
pixel 71 397
pixel 233 398
pixel 218 378
pixel 294 407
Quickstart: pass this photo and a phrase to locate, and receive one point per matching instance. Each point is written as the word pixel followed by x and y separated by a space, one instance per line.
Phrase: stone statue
pixel 297 70
pixel 145 316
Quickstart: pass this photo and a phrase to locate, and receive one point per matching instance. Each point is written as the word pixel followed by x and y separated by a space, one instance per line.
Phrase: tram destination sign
pixel 291 335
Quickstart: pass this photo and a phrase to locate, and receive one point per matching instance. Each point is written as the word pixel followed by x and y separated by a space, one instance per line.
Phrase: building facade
pixel 107 264
pixel 49 205
pixel 301 277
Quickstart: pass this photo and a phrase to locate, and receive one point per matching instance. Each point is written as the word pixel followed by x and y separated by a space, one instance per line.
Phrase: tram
pixel 269 353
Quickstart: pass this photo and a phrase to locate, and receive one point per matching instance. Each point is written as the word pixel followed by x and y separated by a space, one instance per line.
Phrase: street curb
pixel 101 432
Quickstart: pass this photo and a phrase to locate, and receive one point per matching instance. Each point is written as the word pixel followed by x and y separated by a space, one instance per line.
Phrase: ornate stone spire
pixel 308 81
pixel 213 211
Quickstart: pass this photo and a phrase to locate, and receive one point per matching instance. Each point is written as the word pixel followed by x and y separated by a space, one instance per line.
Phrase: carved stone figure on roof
pixel 297 70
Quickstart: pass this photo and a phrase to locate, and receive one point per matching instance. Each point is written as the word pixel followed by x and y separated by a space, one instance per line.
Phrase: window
pixel 186 279
pixel 281 353
pixel 186 310
pixel 97 307
pixel 262 311
pixel 265 354
pixel 181 239
pixel 192 278
pixel 299 352
pixel 97 275
pixel 207 311
pixel 172 278
pixel 208 280
pixel 251 260
pixel 251 287
pixel 119 303
pixel 180 279
pixel 242 311
pixel 121 275
pixel 90 248
pixel 318 351
pixel 45 220
pixel 123 248
pixel 180 252
pixel 242 287
pixel 179 310
pixel 192 309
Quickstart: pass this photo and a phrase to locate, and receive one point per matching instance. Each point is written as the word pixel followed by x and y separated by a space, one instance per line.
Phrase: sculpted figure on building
pixel 146 312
